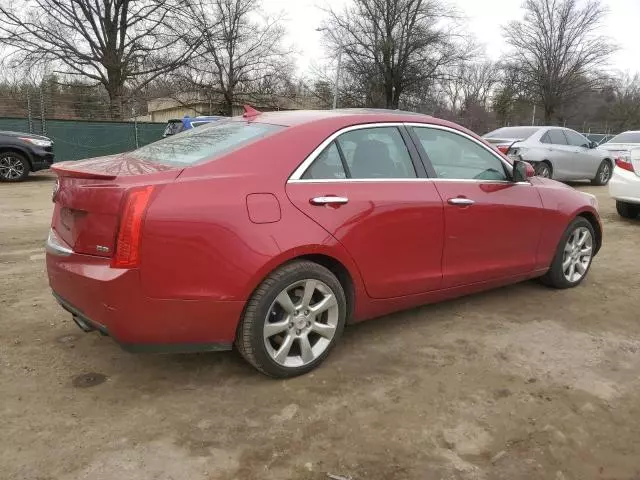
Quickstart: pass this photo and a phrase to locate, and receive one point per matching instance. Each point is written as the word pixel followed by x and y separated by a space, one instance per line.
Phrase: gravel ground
pixel 522 382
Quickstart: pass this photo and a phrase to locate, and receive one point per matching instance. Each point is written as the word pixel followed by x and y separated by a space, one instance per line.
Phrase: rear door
pixel 366 186
pixel 560 154
pixel 492 225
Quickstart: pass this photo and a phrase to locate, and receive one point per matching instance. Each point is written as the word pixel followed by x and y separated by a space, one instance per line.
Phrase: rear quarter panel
pixel 562 204
pixel 199 240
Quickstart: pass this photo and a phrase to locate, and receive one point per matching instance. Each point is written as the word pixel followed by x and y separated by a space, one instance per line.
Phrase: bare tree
pixel 470 84
pixel 393 46
pixel 558 50
pixel 116 43
pixel 242 50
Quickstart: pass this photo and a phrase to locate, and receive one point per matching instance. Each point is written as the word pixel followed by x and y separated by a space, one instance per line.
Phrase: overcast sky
pixel 485 17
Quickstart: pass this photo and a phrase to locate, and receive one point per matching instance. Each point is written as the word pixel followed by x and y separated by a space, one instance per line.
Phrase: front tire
pixel 627 210
pixel 573 256
pixel 293 320
pixel 603 175
pixel 13 167
pixel 544 170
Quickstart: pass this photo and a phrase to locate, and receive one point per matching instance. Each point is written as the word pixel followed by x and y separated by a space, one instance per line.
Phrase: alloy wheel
pixel 301 323
pixel 11 167
pixel 605 173
pixel 544 171
pixel 577 254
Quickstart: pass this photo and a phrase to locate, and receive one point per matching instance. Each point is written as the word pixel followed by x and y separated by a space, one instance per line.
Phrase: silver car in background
pixel 555 152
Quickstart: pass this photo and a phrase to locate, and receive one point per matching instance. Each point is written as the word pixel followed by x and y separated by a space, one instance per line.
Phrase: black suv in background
pixel 21 153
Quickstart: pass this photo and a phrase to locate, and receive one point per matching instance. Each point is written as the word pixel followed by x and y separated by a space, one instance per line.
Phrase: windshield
pixel 205 143
pixel 626 137
pixel 520 133
pixel 173 128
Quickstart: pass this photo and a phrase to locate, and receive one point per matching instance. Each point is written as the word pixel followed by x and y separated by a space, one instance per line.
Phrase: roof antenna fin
pixel 250 112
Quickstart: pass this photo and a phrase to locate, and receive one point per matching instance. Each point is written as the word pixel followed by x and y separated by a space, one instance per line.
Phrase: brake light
pixel 625 164
pixel 127 253
pixel 503 148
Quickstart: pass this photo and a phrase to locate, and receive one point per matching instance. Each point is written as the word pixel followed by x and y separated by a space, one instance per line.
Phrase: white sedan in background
pixel 624 186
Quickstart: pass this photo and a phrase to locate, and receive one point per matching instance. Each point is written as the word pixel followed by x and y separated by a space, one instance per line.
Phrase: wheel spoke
pixel 572 270
pixel 580 267
pixel 325 304
pixel 309 288
pixel 327 331
pixel 586 251
pixel 285 347
pixel 566 264
pixel 285 302
pixel 305 349
pixel 583 238
pixel 271 329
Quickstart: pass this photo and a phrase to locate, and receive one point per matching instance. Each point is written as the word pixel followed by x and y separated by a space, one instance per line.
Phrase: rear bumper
pixel 110 300
pixel 624 186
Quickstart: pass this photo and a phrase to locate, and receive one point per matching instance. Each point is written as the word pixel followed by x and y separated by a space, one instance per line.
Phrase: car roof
pixel 290 118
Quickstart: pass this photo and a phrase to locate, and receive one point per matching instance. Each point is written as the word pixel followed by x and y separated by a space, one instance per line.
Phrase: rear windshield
pixel 204 143
pixel 520 133
pixel 626 137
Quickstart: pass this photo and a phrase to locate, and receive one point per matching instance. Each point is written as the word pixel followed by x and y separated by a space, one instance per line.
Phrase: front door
pixel 368 191
pixel 492 225
pixel 585 161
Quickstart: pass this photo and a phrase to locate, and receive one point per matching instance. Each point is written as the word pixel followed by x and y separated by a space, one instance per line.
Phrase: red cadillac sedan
pixel 271 231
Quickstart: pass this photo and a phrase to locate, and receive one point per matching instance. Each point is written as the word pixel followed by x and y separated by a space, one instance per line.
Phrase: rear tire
pixel 293 320
pixel 544 169
pixel 603 175
pixel 573 257
pixel 627 210
pixel 13 167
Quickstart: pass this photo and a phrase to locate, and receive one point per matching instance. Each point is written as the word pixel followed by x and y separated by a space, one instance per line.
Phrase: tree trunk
pixel 115 89
pixel 548 114
pixel 227 104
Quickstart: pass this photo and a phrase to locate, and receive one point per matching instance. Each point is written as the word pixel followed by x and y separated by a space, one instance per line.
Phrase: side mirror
pixel 522 171
pixel 593 145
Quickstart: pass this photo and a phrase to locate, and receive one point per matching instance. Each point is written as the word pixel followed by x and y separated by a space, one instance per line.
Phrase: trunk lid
pixel 88 198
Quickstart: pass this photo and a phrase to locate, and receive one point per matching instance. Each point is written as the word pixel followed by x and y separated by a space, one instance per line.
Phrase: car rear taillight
pixel 504 148
pixel 625 164
pixel 127 253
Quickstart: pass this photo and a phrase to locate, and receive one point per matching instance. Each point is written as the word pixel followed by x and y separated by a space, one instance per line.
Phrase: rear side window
pixel 556 137
pixel 327 166
pixel 207 142
pixel 376 153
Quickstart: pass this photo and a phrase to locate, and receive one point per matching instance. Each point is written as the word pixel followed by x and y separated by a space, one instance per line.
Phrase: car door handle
pixel 329 200
pixel 461 201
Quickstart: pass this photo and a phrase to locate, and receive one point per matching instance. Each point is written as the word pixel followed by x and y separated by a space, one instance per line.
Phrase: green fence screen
pixel 76 139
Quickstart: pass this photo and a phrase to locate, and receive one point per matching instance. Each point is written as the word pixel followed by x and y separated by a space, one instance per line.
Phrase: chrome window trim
pixel 296 176
pixel 299 172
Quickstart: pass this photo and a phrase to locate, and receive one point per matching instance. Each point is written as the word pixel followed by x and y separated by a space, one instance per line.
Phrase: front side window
pixel 556 137
pixel 456 157
pixel 208 142
pixel 575 139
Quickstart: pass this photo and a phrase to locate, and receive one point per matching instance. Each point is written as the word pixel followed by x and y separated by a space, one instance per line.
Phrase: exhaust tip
pixel 84 326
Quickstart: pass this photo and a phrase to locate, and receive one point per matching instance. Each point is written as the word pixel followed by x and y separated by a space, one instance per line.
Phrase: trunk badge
pixel 102 249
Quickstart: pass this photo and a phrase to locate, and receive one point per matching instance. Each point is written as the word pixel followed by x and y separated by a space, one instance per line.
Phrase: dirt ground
pixel 522 382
